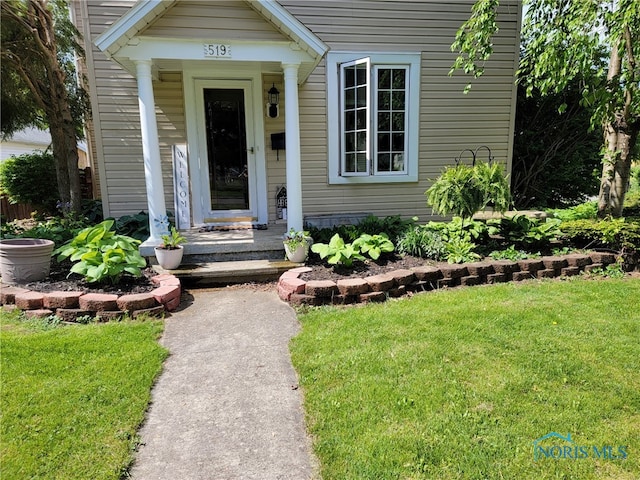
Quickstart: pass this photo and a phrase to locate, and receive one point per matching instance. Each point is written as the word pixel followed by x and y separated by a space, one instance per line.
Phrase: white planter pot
pixel 169 259
pixel 299 255
pixel 24 260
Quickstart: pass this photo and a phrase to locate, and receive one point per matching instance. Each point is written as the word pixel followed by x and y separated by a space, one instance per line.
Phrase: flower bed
pixel 378 288
pixel 70 306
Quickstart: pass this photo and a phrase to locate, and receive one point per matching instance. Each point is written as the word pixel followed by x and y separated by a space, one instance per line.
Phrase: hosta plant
pixel 337 252
pixel 374 245
pixel 101 254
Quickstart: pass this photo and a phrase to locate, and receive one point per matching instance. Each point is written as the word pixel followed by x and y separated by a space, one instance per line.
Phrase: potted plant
pixel 25 260
pixel 296 245
pixel 169 254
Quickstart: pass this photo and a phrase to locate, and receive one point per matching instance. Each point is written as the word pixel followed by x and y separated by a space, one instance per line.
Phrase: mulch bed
pixel 360 269
pixel 58 281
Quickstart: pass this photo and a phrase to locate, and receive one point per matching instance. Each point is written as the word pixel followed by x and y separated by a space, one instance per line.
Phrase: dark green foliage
pixel 464 190
pixel 524 232
pixel 420 241
pixel 393 226
pixel 92 211
pixel 616 234
pixel 27 179
pixel 20 107
pixel 135 226
pixel 556 159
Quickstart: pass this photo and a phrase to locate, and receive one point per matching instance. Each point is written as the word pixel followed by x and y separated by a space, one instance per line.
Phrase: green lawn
pixel 457 384
pixel 73 397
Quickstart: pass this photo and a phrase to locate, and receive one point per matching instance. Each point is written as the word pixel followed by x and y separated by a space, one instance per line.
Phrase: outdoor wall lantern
pixel 273 97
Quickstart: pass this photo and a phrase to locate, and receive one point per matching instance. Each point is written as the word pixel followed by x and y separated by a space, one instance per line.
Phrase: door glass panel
pixel 226 148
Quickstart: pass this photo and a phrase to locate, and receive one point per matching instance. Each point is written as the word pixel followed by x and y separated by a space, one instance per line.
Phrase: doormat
pixel 226 228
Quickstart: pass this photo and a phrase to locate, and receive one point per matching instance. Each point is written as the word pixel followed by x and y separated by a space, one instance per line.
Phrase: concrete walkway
pixel 227 405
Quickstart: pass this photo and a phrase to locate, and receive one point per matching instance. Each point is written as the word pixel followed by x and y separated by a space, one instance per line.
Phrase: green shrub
pixel 28 178
pixel 464 190
pixel 324 235
pixel 582 211
pixel 102 255
pixel 461 228
pixel 135 226
pixel 394 226
pixel 524 232
pixel 616 234
pixel 420 241
pixel 373 245
pixel 91 210
pixel 337 252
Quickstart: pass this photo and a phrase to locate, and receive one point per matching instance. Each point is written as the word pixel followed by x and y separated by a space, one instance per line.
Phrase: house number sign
pixel 217 50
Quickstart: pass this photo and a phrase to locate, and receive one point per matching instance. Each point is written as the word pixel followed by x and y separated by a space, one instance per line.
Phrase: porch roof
pixel 123 32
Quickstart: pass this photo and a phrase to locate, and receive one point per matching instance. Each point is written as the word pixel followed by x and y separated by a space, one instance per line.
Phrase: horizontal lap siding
pixel 115 100
pixel 276 161
pixel 231 19
pixel 449 121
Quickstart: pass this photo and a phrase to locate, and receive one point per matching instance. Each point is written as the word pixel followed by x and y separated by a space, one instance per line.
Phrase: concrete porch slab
pixel 229 245
pixel 224 273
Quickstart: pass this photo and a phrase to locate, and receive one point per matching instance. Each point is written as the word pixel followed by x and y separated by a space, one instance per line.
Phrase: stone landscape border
pixel 377 288
pixel 69 306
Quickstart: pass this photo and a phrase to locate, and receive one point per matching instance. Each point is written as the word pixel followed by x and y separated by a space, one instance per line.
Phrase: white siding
pixel 231 19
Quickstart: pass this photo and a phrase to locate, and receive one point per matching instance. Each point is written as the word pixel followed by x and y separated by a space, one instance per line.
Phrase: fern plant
pixel 464 190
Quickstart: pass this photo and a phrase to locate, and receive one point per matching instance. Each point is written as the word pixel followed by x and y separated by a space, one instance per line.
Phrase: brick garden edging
pixel 71 305
pixel 397 283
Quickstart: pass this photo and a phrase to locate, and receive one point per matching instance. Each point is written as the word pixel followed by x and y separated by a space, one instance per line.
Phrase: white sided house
pixel 208 108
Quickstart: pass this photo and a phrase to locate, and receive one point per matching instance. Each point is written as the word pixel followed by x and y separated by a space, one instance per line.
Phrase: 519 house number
pixel 217 50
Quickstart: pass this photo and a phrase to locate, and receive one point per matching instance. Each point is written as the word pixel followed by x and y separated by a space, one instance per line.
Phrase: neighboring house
pixel 32 139
pixel 24 141
pixel 369 112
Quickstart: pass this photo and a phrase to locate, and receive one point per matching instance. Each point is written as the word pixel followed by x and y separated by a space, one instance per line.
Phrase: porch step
pixel 225 273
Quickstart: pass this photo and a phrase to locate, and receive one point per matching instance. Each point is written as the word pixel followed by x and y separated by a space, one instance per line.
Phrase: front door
pixel 226 139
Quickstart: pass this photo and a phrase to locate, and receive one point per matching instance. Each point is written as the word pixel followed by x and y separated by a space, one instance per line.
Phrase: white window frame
pixel 336 174
pixel 343 160
pixel 374 158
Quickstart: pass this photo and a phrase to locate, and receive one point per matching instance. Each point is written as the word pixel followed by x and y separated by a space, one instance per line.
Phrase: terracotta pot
pixel 169 259
pixel 24 260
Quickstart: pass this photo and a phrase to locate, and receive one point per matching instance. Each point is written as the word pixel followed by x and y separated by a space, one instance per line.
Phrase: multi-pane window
pixel 390 127
pixel 373 102
pixel 373 107
pixel 356 116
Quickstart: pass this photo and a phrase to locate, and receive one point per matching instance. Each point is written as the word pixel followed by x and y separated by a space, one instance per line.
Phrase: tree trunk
pixel 63 133
pixel 620 139
pixel 620 136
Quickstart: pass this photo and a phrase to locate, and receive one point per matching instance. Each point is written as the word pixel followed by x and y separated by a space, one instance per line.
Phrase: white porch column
pixel 292 128
pixel 158 223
